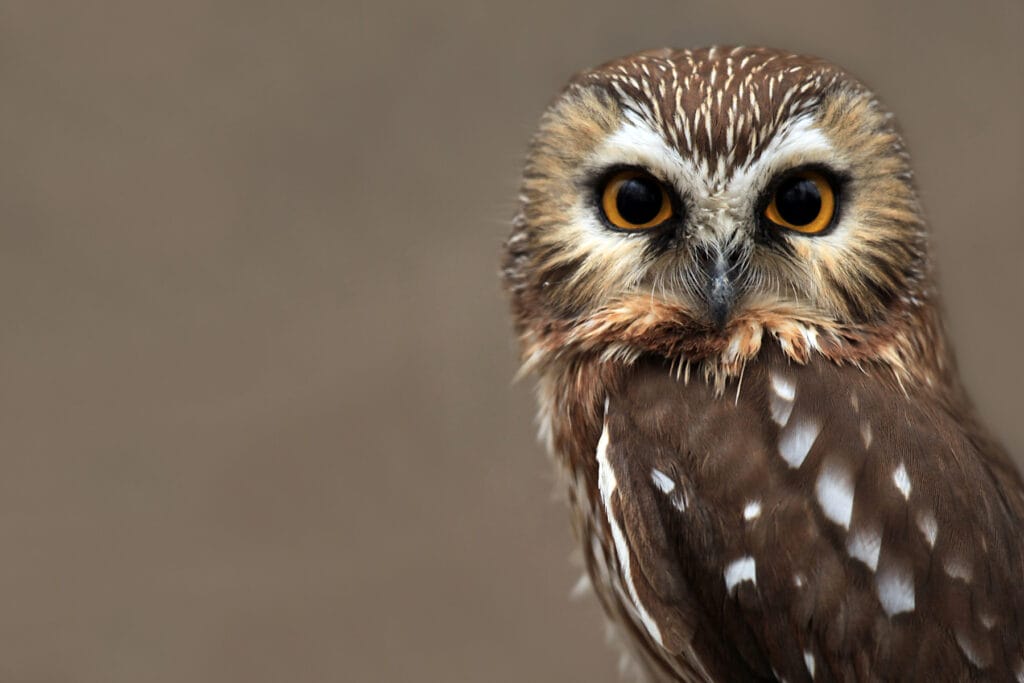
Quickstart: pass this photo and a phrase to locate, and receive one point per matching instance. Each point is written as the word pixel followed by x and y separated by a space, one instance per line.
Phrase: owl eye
pixel 634 200
pixel 803 201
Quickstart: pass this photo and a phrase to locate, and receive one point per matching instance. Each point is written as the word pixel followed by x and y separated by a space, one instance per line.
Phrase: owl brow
pixel 636 143
pixel 798 142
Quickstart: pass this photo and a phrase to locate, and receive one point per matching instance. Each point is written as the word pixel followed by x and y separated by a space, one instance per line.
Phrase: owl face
pixel 728 185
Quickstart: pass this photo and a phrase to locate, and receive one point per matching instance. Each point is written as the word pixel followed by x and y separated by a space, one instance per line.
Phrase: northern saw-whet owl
pixel 720 275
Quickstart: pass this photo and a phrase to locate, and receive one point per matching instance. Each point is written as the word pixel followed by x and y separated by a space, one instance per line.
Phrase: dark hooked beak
pixel 721 292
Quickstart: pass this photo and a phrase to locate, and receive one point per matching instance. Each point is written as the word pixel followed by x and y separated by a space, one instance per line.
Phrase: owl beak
pixel 720 290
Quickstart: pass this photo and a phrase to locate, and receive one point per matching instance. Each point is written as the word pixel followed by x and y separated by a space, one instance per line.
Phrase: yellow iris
pixel 804 202
pixel 634 200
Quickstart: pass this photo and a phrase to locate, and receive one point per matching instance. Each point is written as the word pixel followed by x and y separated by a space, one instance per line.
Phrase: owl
pixel 720 277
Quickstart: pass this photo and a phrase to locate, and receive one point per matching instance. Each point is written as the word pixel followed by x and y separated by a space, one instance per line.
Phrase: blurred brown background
pixel 257 418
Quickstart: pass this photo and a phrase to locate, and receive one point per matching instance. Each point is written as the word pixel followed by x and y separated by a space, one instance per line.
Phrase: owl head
pixel 698 203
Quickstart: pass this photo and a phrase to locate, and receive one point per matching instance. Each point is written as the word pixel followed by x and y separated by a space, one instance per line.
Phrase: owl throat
pixel 909 347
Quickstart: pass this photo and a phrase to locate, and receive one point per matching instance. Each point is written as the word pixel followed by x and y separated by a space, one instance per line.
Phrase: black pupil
pixel 639 200
pixel 798 200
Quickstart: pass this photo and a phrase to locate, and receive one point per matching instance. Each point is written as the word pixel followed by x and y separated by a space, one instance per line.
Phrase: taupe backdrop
pixel 256 411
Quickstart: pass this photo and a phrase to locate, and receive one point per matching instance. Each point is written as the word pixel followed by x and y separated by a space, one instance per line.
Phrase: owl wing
pixel 815 524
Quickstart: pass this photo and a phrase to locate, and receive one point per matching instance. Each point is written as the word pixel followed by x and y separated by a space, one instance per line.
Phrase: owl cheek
pixel 804 252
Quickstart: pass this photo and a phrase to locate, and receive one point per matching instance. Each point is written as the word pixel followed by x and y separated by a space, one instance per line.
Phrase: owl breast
pixel 811 522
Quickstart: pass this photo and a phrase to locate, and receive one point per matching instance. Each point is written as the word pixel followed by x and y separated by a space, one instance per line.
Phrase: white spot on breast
pixel 865 545
pixel 834 489
pixel 678 500
pixel 865 433
pixel 958 568
pixel 662 481
pixel 781 400
pixel 606 484
pixel 752 510
pixel 798 580
pixel 974 654
pixel 796 441
pixel 854 401
pixel 783 387
pixel 895 590
pixel 743 569
pixel 902 481
pixel 987 620
pixel 809 662
pixel 780 409
pixel 928 526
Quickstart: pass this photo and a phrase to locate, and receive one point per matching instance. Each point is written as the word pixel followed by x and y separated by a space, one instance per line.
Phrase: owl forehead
pixel 721 108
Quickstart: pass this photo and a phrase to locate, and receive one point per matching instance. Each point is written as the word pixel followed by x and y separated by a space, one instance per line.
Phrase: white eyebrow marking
pixel 902 481
pixel 743 569
pixel 802 137
pixel 752 510
pixel 797 440
pixel 835 494
pixel 865 545
pixel 895 590
pixel 636 142
pixel 662 481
